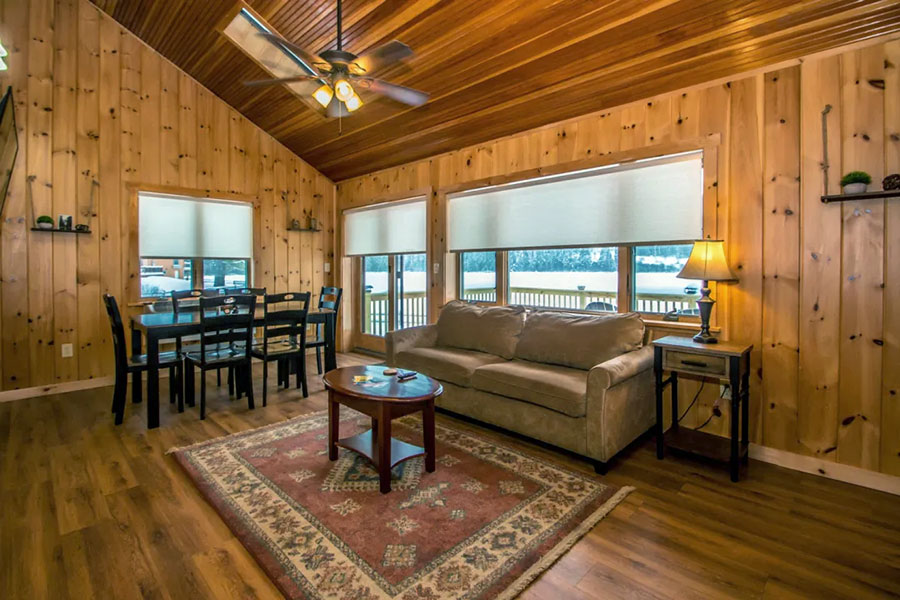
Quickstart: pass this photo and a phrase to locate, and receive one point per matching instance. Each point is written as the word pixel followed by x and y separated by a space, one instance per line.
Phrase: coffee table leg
pixel 384 448
pixel 428 434
pixel 334 422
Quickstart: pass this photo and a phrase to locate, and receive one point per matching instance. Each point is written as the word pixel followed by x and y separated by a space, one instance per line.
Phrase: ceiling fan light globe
pixel 343 90
pixel 353 103
pixel 323 95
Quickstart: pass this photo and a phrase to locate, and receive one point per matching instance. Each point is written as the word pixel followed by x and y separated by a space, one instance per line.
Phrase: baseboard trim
pixel 63 387
pixel 823 468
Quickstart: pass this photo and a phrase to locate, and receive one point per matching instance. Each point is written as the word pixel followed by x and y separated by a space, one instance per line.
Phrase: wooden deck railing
pixel 415 307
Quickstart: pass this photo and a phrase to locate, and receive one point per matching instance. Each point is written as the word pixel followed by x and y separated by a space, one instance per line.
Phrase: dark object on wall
pixel 9 144
pixel 891 182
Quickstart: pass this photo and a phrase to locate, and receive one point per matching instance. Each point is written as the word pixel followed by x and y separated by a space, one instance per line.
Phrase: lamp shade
pixel 707 262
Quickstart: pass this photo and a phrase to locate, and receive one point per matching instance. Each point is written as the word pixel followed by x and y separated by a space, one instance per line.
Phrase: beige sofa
pixel 579 382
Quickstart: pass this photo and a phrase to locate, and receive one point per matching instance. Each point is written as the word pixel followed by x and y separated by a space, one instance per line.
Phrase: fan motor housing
pixel 338 57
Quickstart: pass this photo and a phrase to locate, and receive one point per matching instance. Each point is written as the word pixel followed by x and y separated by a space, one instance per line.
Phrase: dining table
pixel 158 326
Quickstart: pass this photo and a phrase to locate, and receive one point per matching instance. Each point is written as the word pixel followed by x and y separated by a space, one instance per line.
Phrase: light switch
pixel 437 268
pixel 66 350
pixel 328 267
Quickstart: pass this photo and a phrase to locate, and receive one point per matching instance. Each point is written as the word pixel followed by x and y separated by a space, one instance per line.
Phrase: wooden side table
pixel 725 361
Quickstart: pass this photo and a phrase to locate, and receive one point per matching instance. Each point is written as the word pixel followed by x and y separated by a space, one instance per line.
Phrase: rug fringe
pixel 563 546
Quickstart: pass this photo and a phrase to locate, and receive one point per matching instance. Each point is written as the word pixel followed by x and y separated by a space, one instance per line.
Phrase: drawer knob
pixel 694 363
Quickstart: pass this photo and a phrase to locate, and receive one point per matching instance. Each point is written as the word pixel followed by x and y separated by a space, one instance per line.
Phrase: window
pixel 188 243
pixel 478 276
pixel 656 286
pixel 390 240
pixel 610 239
pixel 578 278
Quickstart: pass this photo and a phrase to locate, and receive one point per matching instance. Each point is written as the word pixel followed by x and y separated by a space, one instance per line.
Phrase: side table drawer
pixel 701 364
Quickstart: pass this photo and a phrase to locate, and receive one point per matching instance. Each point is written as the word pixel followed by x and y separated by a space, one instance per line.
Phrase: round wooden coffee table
pixel 383 399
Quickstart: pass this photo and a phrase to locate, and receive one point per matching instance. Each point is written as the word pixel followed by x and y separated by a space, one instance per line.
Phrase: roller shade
pixel 654 200
pixel 390 228
pixel 181 227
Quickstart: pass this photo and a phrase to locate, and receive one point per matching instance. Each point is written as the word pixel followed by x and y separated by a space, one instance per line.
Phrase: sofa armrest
pixel 404 339
pixel 619 369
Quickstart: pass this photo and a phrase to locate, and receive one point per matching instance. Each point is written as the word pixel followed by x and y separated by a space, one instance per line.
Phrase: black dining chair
pixel 284 337
pixel 135 365
pixel 184 301
pixel 224 321
pixel 329 298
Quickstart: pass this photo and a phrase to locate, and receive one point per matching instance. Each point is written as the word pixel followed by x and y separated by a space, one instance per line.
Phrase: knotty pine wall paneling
pixel 815 280
pixel 99 112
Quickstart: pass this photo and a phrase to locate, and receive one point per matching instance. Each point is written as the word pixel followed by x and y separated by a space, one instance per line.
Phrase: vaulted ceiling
pixel 495 67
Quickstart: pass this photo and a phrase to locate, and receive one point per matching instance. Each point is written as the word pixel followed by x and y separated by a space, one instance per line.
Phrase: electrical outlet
pixel 328 267
pixel 725 391
pixel 437 268
pixel 67 351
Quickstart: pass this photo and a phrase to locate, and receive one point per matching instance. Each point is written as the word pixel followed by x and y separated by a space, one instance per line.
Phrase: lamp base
pixel 705 338
pixel 705 304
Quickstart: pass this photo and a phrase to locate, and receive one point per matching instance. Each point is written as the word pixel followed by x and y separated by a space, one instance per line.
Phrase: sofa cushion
pixel 557 388
pixel 491 329
pixel 447 364
pixel 578 341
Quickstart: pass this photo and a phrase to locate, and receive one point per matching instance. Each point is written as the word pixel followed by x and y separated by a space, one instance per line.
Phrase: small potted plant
pixel 45 222
pixel 855 182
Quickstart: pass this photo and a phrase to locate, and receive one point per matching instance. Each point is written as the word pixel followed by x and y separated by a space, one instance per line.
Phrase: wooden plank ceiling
pixel 492 68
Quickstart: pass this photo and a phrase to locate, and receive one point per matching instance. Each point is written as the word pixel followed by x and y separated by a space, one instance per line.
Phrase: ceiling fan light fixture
pixel 353 103
pixel 343 90
pixel 323 95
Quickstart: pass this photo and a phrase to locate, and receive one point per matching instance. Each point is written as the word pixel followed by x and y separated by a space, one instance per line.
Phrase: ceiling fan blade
pixel 397 92
pixel 383 56
pixel 336 108
pixel 280 80
pixel 302 54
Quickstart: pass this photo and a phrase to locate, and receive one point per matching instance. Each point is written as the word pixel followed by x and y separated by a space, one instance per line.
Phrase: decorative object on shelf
pixel 295 224
pixel 65 222
pixel 891 182
pixel 44 222
pixel 82 228
pixel 313 223
pixel 707 263
pixel 855 182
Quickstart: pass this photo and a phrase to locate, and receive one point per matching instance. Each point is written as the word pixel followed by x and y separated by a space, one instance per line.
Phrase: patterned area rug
pixel 486 523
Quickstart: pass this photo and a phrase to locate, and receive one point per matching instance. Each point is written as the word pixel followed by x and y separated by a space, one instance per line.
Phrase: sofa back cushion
pixel 579 341
pixel 491 329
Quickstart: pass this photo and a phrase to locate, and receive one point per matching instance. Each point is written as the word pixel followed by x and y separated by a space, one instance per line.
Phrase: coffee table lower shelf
pixel 366 444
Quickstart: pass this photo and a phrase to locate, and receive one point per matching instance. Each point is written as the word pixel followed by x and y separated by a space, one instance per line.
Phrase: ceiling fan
pixel 334 74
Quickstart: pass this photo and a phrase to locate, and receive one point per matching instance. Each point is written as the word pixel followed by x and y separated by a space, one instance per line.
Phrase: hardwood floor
pixel 90 510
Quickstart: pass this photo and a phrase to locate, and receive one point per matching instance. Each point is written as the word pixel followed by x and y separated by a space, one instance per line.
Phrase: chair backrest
pixel 286 315
pixel 188 300
pixel 226 319
pixel 251 291
pixel 118 333
pixel 330 297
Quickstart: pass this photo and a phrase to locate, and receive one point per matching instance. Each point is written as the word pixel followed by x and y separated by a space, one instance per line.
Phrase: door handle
pixel 694 363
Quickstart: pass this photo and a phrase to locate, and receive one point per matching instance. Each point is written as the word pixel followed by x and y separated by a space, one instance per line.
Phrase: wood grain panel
pixel 781 258
pixel 820 256
pixel 99 112
pixel 791 292
pixel 556 59
pixel 862 262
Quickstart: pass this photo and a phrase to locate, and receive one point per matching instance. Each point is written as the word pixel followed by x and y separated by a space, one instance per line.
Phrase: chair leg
pixel 265 377
pixel 231 381
pixel 301 373
pixel 119 399
pixel 202 395
pixel 219 377
pixel 319 359
pixel 189 388
pixel 248 385
pixel 173 385
pixel 136 387
pixel 179 376
pixel 297 376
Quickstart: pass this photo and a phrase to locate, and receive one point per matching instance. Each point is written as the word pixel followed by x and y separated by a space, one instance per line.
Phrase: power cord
pixel 716 412
pixel 694 401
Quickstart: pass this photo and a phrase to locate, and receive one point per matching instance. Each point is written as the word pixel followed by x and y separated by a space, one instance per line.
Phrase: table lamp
pixel 707 263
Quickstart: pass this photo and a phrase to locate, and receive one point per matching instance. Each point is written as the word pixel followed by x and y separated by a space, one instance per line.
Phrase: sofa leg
pixel 600 467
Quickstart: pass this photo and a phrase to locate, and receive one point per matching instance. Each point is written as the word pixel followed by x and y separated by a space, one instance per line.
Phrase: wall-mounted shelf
pixel 303 229
pixel 880 195
pixel 55 230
